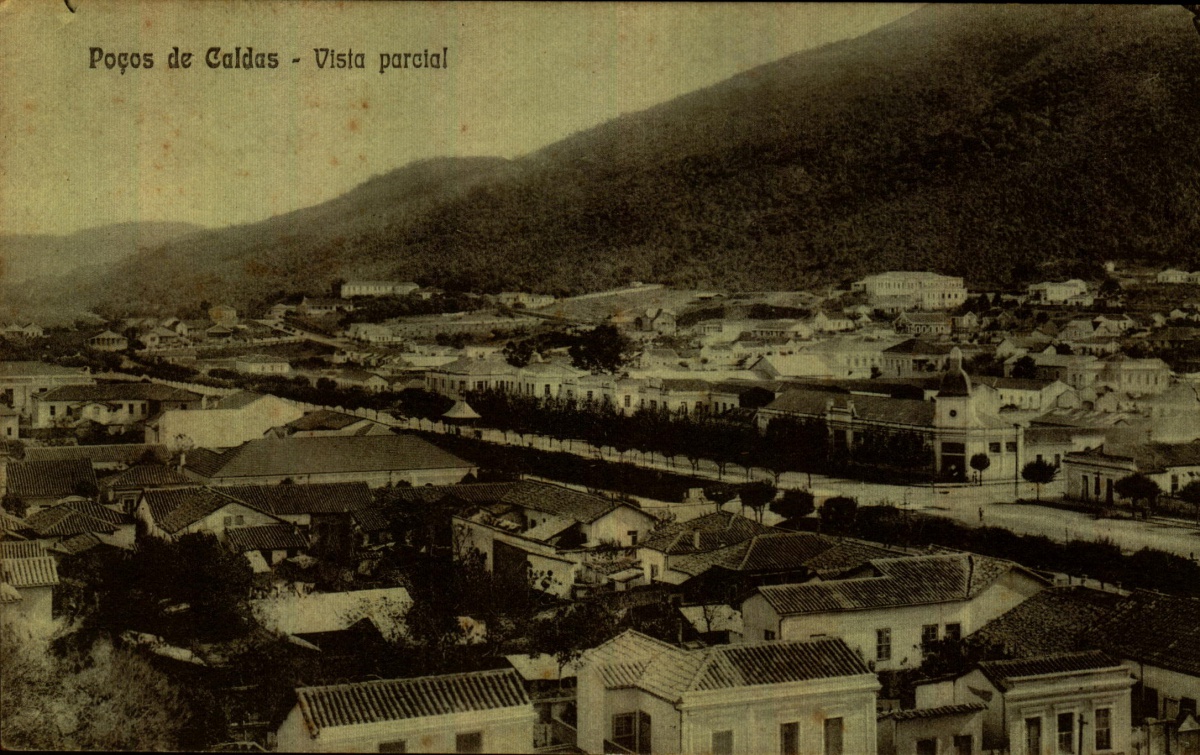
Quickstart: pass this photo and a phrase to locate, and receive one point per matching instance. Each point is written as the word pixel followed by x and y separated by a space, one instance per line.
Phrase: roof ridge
pixel 407 679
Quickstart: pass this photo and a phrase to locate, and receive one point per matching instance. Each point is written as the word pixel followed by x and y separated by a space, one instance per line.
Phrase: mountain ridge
pixel 1002 143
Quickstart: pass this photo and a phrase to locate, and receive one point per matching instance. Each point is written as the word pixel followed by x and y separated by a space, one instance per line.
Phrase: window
pixel 883 644
pixel 653 571
pixel 398 746
pixel 632 731
pixel 789 739
pixel 627 399
pixel 589 395
pixel 470 741
pixel 1104 728
pixel 1066 732
pixel 929 635
pixel 964 744
pixel 53 410
pixel 547 389
pixel 632 537
pixel 994 447
pixel 768 634
pixel 722 743
pixel 1010 446
pixel 1033 735
pixel 926 747
pixel 833 736
pixel 954 632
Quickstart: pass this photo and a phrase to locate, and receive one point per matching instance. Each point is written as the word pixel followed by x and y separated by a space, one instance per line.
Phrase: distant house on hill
pixel 354 288
pixel 108 341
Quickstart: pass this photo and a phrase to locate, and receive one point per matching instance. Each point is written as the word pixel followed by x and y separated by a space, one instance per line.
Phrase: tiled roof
pixel 200 503
pixel 275 457
pixel 10 524
pixel 21 549
pixel 372 519
pixel 917 346
pixel 78 544
pixel 539 496
pixel 126 453
pixel 324 419
pixel 913 580
pixel 49 479
pixel 1156 629
pixel 1055 620
pixel 65 521
pixel 1004 673
pixel 96 511
pixel 846 555
pixel 146 476
pixel 118 392
pixel 316 498
pixel 717 530
pixel 163 502
pixel 266 537
pixel 636 660
pixel 961 709
pixel 39 571
pixel 397 699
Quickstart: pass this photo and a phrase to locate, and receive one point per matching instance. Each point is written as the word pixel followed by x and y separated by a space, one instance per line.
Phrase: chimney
pixel 182 459
pixel 970 573
pixel 696 539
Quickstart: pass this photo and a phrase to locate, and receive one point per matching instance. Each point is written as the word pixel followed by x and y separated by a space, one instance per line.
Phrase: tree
pixel 1191 494
pixel 980 463
pixel 568 632
pixel 794 504
pixel 757 495
pixel 91 701
pixel 602 349
pixel 1137 487
pixel 1040 473
pixel 518 353
pixel 838 513
pixel 1025 368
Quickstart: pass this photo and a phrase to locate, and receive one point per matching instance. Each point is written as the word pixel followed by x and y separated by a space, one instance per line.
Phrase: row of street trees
pixel 786 444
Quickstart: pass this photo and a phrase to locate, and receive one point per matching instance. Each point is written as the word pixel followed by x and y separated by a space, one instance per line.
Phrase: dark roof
pixel 118 392
pixel 917 346
pixel 961 709
pixel 372 519
pixel 539 496
pixel 1004 673
pixel 324 419
pixel 317 498
pixel 815 403
pixel 285 457
pixel 78 544
pixel 635 660
pixel 912 580
pixel 1055 620
pixel 96 511
pixel 717 530
pixel 846 555
pixel 1156 629
pixel 362 703
pixel 1149 458
pixel 49 479
pixel 147 476
pixel 66 521
pixel 126 453
pixel 196 505
pixel 265 537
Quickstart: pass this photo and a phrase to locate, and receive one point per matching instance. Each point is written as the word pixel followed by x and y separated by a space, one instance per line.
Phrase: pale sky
pixel 82 147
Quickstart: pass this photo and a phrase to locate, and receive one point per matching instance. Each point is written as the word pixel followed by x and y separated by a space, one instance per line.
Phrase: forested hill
pixel 1003 143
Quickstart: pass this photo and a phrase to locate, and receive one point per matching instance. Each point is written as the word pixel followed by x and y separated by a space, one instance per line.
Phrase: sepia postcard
pixel 617 377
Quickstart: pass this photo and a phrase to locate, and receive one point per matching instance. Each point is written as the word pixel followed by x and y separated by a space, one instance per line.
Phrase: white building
pixel 351 289
pixel 482 711
pixel 638 694
pixel 920 290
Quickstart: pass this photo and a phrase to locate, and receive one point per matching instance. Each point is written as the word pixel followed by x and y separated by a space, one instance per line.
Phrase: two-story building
pixel 638 694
